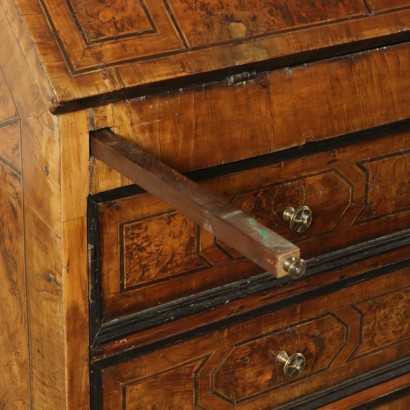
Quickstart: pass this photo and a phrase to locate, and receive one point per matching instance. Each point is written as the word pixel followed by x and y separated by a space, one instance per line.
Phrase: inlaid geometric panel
pixel 380 327
pixel 105 20
pixel 161 384
pixel 159 248
pixel 267 204
pixel 214 21
pixel 95 34
pixel 179 393
pixel 249 369
pixel 388 185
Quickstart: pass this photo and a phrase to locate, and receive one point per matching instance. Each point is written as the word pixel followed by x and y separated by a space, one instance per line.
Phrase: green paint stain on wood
pixel 265 234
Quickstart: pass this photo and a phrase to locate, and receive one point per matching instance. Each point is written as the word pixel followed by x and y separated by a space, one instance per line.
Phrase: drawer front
pixel 148 254
pixel 341 335
pixel 215 124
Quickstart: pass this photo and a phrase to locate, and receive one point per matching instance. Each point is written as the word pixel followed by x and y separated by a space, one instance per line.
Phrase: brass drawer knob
pixel 299 219
pixel 295 267
pixel 292 366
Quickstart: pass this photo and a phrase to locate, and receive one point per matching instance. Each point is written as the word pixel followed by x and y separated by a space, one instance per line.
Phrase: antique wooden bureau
pixel 204 204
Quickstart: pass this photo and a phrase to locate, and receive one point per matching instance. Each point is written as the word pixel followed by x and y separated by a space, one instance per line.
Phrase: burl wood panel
pixel 235 367
pixel 147 26
pixel 210 22
pixel 217 124
pixel 387 185
pixel 102 21
pixel 381 328
pixel 150 254
pixel 95 47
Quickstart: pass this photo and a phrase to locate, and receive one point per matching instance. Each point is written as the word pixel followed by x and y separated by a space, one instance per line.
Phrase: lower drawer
pixel 343 336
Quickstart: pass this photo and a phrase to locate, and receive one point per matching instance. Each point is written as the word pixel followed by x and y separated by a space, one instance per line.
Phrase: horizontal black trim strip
pixel 388 398
pixel 309 148
pixel 160 87
pixel 351 387
pixel 244 289
pixel 355 253
pixel 253 286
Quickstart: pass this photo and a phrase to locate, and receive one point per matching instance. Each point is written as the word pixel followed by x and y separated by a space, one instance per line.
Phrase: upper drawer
pixel 220 123
pixel 97 51
pixel 151 254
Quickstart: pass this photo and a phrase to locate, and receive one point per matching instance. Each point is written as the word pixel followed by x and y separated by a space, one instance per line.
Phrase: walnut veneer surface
pixel 111 299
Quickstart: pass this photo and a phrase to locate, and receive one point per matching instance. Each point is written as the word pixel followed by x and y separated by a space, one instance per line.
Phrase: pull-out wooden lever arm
pixel 237 229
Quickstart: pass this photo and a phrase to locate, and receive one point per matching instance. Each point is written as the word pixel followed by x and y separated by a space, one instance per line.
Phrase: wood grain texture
pixel 75 286
pixel 14 356
pixel 283 108
pixel 238 368
pixel 50 370
pixel 366 396
pixel 150 254
pixel 400 403
pixel 74 137
pixel 383 5
pixel 82 61
pixel 74 165
pixel 182 396
pixel 14 338
pixel 10 147
pixel 7 107
pixel 18 72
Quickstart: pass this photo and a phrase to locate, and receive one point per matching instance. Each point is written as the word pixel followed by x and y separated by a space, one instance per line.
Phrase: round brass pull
pixel 299 219
pixel 295 267
pixel 292 366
